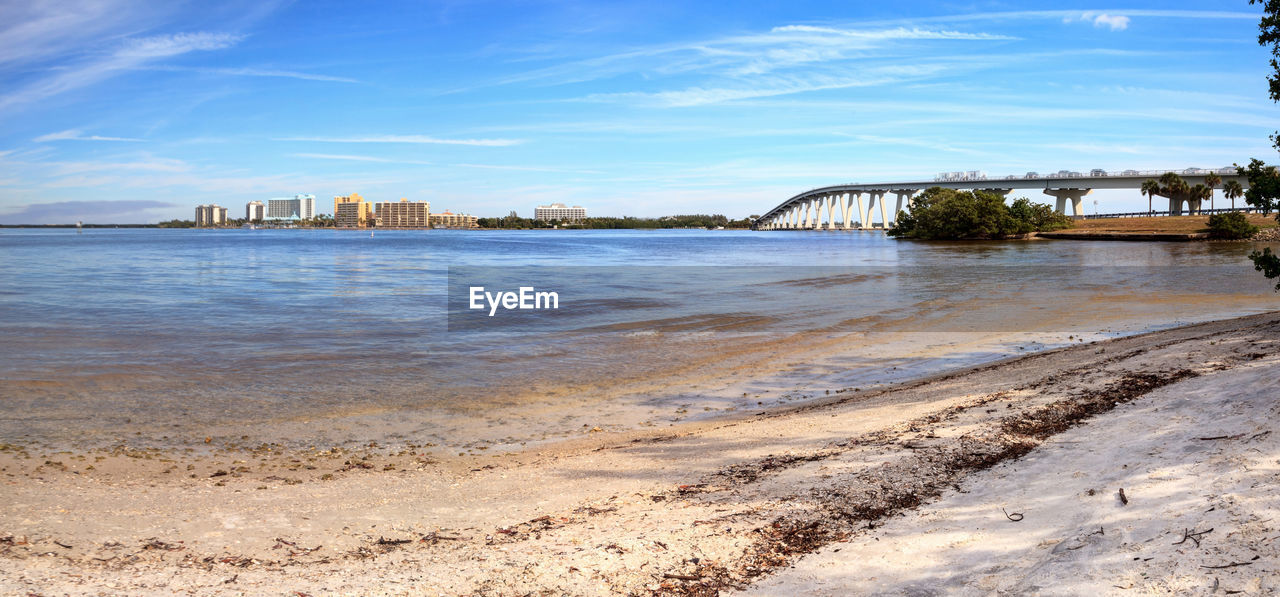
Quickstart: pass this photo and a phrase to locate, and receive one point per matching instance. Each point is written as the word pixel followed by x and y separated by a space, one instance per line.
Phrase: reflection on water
pixel 176 332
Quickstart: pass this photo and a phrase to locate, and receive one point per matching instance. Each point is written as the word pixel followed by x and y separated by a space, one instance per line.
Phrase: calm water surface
pixel 166 333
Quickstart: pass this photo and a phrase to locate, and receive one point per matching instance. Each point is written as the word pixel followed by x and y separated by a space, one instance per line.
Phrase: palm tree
pixel 1150 188
pixel 1232 190
pixel 1212 180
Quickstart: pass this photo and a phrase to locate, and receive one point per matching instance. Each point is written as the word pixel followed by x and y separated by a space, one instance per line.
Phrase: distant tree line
pixel 514 222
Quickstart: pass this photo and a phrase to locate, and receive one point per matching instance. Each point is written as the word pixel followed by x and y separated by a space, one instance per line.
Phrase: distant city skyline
pixel 126 112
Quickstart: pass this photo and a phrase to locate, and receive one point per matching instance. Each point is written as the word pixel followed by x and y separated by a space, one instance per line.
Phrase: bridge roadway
pixel 846 210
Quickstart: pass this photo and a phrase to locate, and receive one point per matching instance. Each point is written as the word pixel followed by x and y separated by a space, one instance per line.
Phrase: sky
pixel 117 111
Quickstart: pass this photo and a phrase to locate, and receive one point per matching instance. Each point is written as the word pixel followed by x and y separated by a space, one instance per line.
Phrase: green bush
pixel 1231 226
pixel 940 213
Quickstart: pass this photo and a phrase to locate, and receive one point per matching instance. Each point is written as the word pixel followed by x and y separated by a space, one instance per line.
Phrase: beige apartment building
pixel 452 220
pixel 211 215
pixel 352 211
pixel 403 214
pixel 255 211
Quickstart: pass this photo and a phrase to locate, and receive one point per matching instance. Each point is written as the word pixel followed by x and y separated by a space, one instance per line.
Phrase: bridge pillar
pixel 845 198
pixel 808 214
pixel 862 218
pixel 874 198
pixel 1176 204
pixel 904 200
pixel 1075 195
pixel 831 212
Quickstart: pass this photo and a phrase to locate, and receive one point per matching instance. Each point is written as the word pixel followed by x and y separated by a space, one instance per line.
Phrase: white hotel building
pixel 558 211
pixel 300 207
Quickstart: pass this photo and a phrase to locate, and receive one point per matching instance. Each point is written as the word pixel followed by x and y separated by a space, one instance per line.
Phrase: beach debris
pixel 435 536
pixel 61 544
pixel 1233 564
pixel 674 576
pixel 1124 499
pixel 154 543
pixel 1192 535
pixel 1014 516
pixel 1217 437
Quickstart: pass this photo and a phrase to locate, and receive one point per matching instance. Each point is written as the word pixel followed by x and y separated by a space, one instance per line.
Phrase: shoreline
pixel 721 502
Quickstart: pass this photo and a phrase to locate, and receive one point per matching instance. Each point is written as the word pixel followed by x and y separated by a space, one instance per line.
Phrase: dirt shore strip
pixel 697 510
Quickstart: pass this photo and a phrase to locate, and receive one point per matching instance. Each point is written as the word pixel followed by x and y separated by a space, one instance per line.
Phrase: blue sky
pixel 114 111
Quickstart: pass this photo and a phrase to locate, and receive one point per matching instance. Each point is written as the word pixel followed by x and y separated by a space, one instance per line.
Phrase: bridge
pixel 845 209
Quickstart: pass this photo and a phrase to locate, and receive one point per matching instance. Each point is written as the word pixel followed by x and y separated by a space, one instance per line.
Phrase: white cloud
pixel 1100 20
pixel 414 139
pixel 1115 22
pixel 77 135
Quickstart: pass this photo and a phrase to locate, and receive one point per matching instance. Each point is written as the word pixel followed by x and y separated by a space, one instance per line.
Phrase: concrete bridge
pixel 844 206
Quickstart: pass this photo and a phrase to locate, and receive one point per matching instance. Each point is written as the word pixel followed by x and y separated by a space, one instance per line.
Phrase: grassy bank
pixel 1161 225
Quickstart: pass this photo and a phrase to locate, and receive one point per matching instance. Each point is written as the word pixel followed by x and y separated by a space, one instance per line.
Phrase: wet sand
pixel 692 508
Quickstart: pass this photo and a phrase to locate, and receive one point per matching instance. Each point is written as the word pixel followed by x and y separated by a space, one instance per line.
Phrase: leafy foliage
pixel 1231 226
pixel 940 213
pixel 1268 263
pixel 1269 35
pixel 1264 185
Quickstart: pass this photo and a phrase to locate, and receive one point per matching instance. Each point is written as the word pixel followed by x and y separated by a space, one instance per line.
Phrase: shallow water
pixel 167 336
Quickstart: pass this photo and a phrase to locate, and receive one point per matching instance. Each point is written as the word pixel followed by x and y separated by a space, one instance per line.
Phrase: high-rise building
pixel 559 211
pixel 306 206
pixel 298 207
pixel 255 211
pixel 211 215
pixel 403 214
pixel 352 211
pixel 452 220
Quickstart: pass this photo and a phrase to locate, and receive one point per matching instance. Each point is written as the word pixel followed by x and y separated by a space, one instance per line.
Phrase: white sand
pixel 1076 537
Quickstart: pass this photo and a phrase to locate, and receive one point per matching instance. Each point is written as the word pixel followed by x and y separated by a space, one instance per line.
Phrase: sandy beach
pixel 1001 478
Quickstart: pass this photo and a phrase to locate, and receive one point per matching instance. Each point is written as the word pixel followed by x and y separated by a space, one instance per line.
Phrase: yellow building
pixel 403 214
pixel 352 211
pixel 452 220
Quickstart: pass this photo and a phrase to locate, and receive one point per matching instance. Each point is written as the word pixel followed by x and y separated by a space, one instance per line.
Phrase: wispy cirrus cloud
pixel 779 48
pixel 358 158
pixel 77 135
pixel 254 72
pixel 408 139
pixel 129 54
pixel 772 87
pixel 382 160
